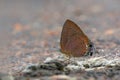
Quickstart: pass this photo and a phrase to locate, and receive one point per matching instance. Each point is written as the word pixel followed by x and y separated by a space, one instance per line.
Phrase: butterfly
pixel 73 42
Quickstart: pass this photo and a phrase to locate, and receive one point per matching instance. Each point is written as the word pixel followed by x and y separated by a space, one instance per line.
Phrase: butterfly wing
pixel 72 38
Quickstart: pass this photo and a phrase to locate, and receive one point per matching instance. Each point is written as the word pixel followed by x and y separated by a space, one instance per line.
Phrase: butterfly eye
pixel 91 45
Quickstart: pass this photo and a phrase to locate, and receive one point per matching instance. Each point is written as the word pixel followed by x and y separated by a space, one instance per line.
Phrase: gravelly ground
pixel 30 30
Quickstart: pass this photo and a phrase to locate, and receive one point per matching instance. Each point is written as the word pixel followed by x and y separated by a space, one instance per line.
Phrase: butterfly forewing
pixel 73 41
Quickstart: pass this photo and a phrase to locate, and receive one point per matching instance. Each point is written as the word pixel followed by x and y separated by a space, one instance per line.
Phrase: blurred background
pixel 30 29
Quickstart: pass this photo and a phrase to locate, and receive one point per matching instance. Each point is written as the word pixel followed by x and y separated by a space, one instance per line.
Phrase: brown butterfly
pixel 74 43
